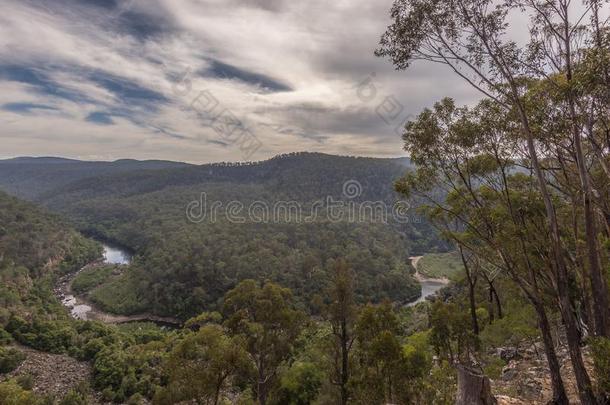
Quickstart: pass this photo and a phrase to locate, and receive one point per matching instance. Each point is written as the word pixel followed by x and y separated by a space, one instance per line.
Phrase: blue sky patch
pixel 25 108
pixel 225 71
pixel 99 117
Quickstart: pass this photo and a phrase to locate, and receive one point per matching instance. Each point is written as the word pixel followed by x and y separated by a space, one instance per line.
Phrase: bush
pixel 5 337
pixel 26 381
pixel 300 384
pixel 601 362
pixel 88 279
pixel 110 367
pixel 10 359
pixel 493 367
pixel 77 395
pixel 11 393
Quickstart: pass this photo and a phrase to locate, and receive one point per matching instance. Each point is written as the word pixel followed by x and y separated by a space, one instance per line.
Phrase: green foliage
pixel 185 268
pixel 203 319
pixel 379 354
pixel 90 278
pixel 600 350
pixel 121 295
pixel 387 371
pixel 441 265
pixel 110 367
pixel 5 337
pixel 519 324
pixel 299 385
pixel 268 322
pixel 12 394
pixel 46 335
pixel 202 365
pixel 10 359
pixel 441 387
pixel 493 367
pixel 25 381
pixel 451 332
pixel 76 396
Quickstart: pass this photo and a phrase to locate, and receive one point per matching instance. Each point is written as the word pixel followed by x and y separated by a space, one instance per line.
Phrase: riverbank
pixel 83 309
pixel 429 286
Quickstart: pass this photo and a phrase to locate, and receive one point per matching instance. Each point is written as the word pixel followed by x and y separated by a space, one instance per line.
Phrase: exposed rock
pixel 506 400
pixel 53 374
pixel 507 353
pixel 530 389
pixel 527 379
pixel 509 372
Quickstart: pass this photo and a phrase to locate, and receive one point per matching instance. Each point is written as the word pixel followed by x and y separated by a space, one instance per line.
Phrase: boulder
pixel 507 353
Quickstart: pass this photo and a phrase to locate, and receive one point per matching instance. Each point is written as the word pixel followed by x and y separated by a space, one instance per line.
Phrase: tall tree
pixel 470 36
pixel 201 366
pixel 266 318
pixel 341 314
pixel 468 155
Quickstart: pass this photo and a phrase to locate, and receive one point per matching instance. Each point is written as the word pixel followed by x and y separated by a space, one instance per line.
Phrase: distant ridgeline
pixel 185 264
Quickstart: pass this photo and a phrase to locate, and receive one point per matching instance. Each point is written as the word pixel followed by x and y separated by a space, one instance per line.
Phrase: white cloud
pixel 321 49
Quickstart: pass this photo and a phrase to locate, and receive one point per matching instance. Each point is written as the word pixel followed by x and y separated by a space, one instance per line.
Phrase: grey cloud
pixel 288 70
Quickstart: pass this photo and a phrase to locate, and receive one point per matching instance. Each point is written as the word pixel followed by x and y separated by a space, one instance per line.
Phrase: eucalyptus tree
pixel 490 210
pixel 341 313
pixel 472 38
pixel 268 322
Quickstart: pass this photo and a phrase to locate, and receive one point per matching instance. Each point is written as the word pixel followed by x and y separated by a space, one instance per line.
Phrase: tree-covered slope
pixel 33 246
pixel 31 178
pixel 184 265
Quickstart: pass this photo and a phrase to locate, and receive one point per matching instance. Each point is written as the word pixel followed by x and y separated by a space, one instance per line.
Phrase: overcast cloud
pixel 111 79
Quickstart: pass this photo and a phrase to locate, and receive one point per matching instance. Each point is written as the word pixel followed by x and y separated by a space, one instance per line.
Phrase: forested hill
pixel 52 179
pixel 29 177
pixel 185 265
pixel 33 244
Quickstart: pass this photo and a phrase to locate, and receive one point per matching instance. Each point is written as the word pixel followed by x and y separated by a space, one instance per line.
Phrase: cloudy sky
pixel 204 80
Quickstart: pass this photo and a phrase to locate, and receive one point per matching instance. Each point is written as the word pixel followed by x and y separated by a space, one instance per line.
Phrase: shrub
pixel 110 367
pixel 5 337
pixel 26 381
pixel 77 395
pixel 601 362
pixel 88 279
pixel 10 359
pixel 11 393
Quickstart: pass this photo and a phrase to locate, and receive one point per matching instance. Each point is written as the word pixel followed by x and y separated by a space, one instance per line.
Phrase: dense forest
pixel 183 267
pixel 516 186
pixel 260 347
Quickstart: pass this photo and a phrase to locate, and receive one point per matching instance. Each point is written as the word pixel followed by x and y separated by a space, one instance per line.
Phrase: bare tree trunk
pixel 559 393
pixel 582 378
pixel 533 295
pixel 473 388
pixel 344 363
pixel 261 387
pixel 599 286
pixel 472 281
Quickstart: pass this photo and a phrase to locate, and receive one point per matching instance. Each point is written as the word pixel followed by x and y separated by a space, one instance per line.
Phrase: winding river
pixel 429 286
pixel 81 308
pixel 113 255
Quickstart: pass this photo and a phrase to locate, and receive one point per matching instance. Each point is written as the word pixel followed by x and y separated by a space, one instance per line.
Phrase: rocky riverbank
pixel 82 308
